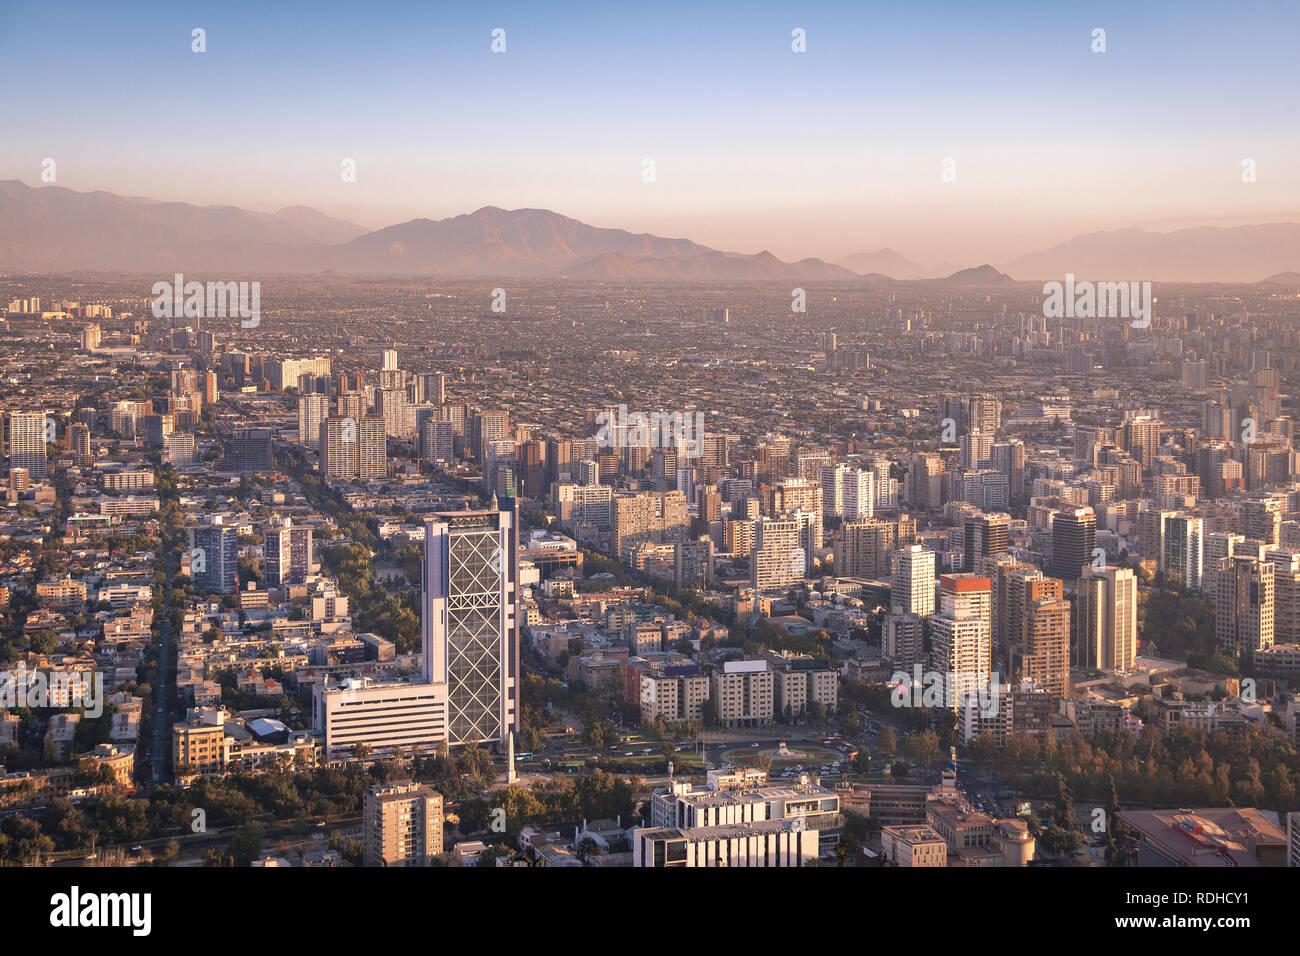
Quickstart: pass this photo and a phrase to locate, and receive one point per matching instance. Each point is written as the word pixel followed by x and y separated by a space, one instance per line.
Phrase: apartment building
pixel 744 694
pixel 401 825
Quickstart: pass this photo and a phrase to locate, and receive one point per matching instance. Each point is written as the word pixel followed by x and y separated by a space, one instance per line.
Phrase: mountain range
pixel 54 229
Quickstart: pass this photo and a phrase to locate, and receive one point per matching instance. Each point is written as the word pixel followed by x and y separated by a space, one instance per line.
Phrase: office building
pixel 1074 536
pixel 1106 619
pixel 470 625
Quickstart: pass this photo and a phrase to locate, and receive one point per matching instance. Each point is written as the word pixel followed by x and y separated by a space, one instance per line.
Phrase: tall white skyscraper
pixel 313 408
pixel 832 478
pixel 859 494
pixel 912 581
pixel 27 442
pixel 470 626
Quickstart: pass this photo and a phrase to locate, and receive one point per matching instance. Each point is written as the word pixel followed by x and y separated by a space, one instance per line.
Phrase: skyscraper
pixel 1106 619
pixel 1184 550
pixel 214 556
pixel 288 551
pixel 27 442
pixel 313 408
pixel 912 581
pixel 1243 606
pixel 1074 536
pixel 79 438
pixel 960 634
pixel 987 535
pixel 372 448
pixel 470 626
pixel 338 448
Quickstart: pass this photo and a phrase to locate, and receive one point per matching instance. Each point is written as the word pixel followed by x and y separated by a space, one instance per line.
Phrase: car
pixel 648 750
pixel 755 744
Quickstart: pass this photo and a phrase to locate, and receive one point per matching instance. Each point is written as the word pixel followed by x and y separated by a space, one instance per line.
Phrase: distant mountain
pixel 707 265
pixel 1282 278
pixel 885 262
pixel 1202 254
pixel 52 228
pixel 497 241
pixel 980 275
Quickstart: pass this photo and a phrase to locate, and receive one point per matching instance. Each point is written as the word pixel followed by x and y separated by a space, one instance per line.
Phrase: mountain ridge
pixel 55 229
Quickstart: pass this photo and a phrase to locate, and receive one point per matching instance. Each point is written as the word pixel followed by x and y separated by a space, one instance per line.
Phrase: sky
pixel 833 151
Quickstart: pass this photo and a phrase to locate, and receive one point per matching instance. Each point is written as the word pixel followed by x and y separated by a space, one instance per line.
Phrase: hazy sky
pixel 824 153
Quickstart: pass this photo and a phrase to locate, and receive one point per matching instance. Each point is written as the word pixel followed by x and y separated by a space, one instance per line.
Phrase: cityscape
pixel 529 537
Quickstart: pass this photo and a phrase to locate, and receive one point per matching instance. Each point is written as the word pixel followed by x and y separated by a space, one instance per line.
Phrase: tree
pixel 922 748
pixel 1063 806
pixel 587 849
pixel 984 747
pixel 887 741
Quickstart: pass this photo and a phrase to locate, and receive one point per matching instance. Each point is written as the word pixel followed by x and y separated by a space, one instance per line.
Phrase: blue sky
pixel 824 153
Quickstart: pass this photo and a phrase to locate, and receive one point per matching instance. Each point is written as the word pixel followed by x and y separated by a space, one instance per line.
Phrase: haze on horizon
pixel 827 153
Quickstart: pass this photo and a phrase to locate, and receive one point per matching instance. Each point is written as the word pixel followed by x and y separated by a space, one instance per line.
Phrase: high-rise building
pixel 987 535
pixel 401 824
pixel 438 441
pixel 1184 550
pixel 27 442
pixel 1074 536
pixel 1286 595
pixel 1243 589
pixel 693 563
pixel 79 439
pixel 1140 437
pixel 248 450
pixel 338 448
pixel 1261 518
pixel 288 551
pixel 482 428
pixel 178 450
pixel 214 556
pixel 832 479
pixel 859 494
pixel 778 560
pixel 1106 619
pixel 470 623
pixel 912 581
pixel 372 448
pixel 313 408
pixel 864 547
pixel 960 633
pixel 902 639
pixel 391 405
